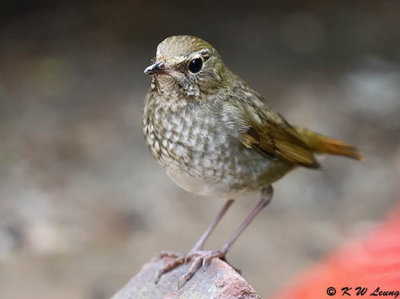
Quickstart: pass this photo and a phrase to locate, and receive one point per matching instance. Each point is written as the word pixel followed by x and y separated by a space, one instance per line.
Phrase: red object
pixel 363 265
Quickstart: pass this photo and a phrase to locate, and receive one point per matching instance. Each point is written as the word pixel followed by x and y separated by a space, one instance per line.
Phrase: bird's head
pixel 187 65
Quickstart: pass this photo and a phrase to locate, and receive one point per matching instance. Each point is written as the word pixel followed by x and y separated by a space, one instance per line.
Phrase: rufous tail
pixel 325 145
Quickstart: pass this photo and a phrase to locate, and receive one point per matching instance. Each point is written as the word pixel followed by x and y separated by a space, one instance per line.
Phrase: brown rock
pixel 215 280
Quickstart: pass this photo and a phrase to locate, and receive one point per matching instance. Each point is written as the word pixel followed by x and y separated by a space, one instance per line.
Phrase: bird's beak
pixel 156 68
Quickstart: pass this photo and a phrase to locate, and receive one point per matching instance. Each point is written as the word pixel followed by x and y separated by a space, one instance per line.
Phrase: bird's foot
pixel 177 260
pixel 199 258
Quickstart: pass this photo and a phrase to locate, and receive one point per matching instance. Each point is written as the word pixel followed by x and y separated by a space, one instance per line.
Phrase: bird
pixel 217 137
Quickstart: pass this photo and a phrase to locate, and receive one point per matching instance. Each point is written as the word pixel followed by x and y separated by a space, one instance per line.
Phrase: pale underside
pixel 199 146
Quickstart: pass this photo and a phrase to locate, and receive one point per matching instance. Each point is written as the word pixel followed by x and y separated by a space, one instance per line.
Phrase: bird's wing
pixel 271 135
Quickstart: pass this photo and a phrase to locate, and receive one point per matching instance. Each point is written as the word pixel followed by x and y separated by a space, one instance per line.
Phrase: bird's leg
pixel 201 258
pixel 179 259
pixel 266 197
pixel 200 242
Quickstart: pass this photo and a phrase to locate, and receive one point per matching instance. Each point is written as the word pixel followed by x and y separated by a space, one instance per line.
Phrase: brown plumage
pixel 216 136
pixel 320 144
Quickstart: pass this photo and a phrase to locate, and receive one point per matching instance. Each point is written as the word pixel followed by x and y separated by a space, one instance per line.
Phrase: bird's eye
pixel 196 65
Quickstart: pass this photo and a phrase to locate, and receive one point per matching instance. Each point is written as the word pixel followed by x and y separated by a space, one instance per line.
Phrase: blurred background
pixel 82 203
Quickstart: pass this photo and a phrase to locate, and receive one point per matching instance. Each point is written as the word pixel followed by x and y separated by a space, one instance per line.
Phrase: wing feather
pixel 271 135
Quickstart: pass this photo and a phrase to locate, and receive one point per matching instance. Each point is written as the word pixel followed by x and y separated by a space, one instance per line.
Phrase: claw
pixel 206 260
pixel 182 281
pixel 193 268
pixel 157 277
pixel 203 263
pixel 200 259
pixel 177 261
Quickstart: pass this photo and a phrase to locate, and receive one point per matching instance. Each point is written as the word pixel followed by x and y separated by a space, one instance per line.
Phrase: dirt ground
pixel 82 203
